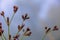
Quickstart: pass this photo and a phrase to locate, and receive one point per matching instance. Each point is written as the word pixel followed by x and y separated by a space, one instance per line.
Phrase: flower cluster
pixel 55 28
pixel 48 30
pixel 15 9
pixel 20 27
pixel 25 17
pixel 28 32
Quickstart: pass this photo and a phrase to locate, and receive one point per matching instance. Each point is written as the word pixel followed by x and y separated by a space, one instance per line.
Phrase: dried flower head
pixel 16 37
pixel 8 21
pixel 0 27
pixel 20 27
pixel 48 30
pixel 15 8
pixel 28 29
pixel 24 17
pixel 55 28
pixel 28 32
pixel 9 37
pixel 2 13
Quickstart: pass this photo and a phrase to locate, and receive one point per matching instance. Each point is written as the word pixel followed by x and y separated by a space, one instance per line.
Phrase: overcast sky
pixel 42 13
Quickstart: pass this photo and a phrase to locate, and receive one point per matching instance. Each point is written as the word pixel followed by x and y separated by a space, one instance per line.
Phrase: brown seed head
pixel 20 27
pixel 9 37
pixel 28 33
pixel 45 27
pixel 28 29
pixel 16 36
pixel 15 8
pixel 48 30
pixel 25 17
pixel 8 21
pixel 2 13
pixel 55 28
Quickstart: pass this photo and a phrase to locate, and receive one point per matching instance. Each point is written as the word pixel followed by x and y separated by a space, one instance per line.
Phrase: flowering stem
pixel 4 19
pixel 12 18
pixel 44 36
pixel 8 32
pixel 4 37
pixel 17 32
pixel 22 38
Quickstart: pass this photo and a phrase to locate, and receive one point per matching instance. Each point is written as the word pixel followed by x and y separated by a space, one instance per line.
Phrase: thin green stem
pixel 12 18
pixel 4 37
pixel 46 34
pixel 44 37
pixel 8 31
pixel 22 38
pixel 4 19
pixel 17 32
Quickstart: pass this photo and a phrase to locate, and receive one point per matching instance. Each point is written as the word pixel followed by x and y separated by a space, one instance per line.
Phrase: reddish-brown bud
pixel 15 8
pixel 28 29
pixel 45 27
pixel 48 30
pixel 2 13
pixel 1 32
pixel 16 37
pixel 55 28
pixel 9 37
pixel 8 21
pixel 20 27
pixel 24 17
pixel 28 33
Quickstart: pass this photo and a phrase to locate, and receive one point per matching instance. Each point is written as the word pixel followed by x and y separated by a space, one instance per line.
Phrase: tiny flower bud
pixel 25 17
pixel 16 36
pixel 45 27
pixel 48 30
pixel 28 29
pixel 8 21
pixel 28 32
pixel 20 27
pixel 2 13
pixel 15 8
pixel 55 28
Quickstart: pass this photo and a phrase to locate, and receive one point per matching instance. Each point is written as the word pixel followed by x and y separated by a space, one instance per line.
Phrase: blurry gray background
pixel 42 13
